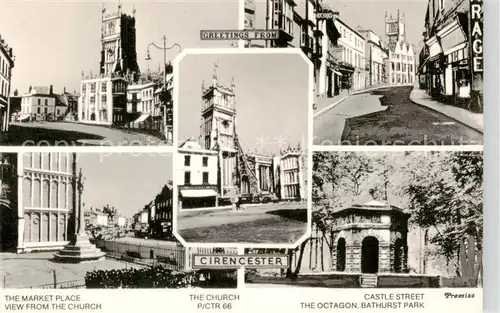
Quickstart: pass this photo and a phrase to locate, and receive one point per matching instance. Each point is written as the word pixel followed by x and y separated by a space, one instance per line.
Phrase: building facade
pixel 41 104
pixel 161 224
pixel 402 56
pixel 376 57
pixel 197 175
pixel 102 100
pixel 144 105
pixel 6 66
pixel 46 200
pixel 451 62
pixel 352 62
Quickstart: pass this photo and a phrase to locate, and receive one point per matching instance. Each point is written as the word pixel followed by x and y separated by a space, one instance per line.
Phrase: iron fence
pixel 156 252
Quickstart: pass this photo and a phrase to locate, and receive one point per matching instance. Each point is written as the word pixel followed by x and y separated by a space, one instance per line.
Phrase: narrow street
pixel 76 134
pixel 388 117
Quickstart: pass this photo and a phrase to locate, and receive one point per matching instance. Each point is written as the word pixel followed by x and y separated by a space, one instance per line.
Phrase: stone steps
pixel 79 251
pixel 368 280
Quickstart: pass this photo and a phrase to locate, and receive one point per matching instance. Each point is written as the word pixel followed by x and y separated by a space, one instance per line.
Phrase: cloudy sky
pixel 271 97
pixel 54 41
pixel 123 180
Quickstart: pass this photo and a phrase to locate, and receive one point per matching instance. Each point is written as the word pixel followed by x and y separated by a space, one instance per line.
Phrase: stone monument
pixel 79 249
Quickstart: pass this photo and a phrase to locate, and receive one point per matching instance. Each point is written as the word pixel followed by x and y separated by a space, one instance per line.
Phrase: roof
pixel 190 144
pixel 373 206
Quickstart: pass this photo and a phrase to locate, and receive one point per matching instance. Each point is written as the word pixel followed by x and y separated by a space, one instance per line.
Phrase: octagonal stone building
pixel 370 238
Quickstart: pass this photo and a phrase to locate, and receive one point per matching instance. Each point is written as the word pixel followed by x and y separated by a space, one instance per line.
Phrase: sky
pixel 54 41
pixel 123 180
pixel 271 97
pixel 369 14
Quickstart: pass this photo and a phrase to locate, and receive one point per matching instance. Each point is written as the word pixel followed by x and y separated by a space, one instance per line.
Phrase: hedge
pixel 151 277
pixel 159 277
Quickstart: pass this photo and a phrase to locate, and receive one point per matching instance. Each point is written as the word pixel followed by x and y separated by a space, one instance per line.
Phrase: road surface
pixel 388 117
pixel 76 134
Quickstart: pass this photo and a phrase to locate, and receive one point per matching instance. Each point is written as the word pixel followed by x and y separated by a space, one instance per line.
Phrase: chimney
pixel 64 89
pixel 16 93
pixel 51 90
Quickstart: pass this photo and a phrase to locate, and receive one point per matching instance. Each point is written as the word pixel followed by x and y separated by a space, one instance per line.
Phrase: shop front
pixel 457 74
pixel 346 76
pixel 435 74
pixel 197 196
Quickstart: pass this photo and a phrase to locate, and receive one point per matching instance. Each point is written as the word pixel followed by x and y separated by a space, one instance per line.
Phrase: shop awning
pixel 142 118
pixel 23 117
pixel 198 193
pixel 451 36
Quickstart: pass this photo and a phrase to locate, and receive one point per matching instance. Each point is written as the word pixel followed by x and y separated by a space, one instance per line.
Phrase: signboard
pixel 325 15
pixel 207 261
pixel 477 12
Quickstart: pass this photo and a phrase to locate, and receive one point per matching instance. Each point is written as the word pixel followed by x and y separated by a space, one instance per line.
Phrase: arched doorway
pixel 398 255
pixel 369 255
pixel 341 255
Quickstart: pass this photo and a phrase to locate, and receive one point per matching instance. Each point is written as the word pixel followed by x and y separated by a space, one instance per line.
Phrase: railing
pixel 69 284
pixel 150 253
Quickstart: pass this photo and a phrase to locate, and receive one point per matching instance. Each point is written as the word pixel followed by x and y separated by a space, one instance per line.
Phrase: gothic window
pixel 54 161
pixel 45 161
pixel 45 227
pixel 46 194
pixel 36 193
pixel 27 228
pixel 35 223
pixel 54 195
pixel 62 196
pixel 111 28
pixel 27 192
pixel 27 158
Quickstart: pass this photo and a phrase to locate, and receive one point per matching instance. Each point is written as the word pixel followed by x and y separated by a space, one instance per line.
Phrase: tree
pixel 447 197
pixel 338 181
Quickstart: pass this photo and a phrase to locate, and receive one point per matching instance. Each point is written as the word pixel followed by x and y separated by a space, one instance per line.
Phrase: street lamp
pixel 148 57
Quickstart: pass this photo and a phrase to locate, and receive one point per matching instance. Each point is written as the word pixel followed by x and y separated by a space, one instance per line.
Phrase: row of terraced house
pixel 155 218
pixel 345 57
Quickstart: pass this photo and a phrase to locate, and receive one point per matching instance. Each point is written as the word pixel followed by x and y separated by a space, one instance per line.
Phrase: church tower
pixel 395 28
pixel 218 116
pixel 118 41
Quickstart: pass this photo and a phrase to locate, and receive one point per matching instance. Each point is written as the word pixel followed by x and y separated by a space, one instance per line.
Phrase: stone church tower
pixel 118 40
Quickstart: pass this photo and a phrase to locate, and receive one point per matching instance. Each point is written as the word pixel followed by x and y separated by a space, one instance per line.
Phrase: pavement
pixel 76 134
pixel 387 116
pixel 324 104
pixel 37 269
pixel 471 119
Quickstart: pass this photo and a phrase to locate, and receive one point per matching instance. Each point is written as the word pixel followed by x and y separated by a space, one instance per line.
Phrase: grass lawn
pixel 267 223
pixel 271 230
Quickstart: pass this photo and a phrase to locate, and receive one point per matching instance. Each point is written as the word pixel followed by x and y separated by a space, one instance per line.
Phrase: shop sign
pixel 477 12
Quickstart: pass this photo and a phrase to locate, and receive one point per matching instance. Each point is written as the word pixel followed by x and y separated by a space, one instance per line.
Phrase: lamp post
pixel 148 57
